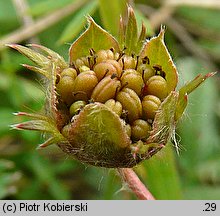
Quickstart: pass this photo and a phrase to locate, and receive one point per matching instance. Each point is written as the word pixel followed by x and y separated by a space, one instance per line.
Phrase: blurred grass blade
pixel 6 119
pixel 142 19
pixel 199 133
pixel 204 192
pixel 200 17
pixel 47 176
pixel 160 175
pixel 78 22
pixel 209 171
pixel 44 7
pixel 110 14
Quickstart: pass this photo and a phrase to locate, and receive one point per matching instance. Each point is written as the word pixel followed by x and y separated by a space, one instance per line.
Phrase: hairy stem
pixel 135 184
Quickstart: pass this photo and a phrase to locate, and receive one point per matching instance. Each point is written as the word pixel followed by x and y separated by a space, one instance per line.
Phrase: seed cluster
pixel 127 85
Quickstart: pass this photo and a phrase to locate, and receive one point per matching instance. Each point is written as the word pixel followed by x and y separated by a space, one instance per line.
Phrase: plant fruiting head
pixel 112 105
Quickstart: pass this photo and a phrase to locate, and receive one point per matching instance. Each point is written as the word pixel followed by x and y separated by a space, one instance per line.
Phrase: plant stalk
pixel 135 184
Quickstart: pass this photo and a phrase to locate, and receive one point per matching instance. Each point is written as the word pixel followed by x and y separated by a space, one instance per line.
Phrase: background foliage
pixel 193 38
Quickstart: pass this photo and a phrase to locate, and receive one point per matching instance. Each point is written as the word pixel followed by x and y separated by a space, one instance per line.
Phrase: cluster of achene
pixel 127 85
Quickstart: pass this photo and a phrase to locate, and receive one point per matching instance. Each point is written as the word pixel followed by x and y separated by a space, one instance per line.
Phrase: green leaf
pixel 110 14
pixel 77 23
pixel 203 17
pixel 203 192
pixel 157 52
pixel 94 37
pixel 37 70
pixel 8 17
pixel 6 119
pixel 212 47
pixel 49 67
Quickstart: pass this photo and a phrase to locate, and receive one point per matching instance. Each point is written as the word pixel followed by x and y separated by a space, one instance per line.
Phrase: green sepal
pixel 164 122
pixel 157 53
pixel 121 34
pixel 44 63
pixel 53 56
pixel 39 59
pixel 187 89
pixel 94 37
pixel 131 32
pixel 32 116
pixel 129 37
pixel 48 66
pixel 101 133
pixel 37 70
pixel 51 92
pixel 141 38
pixel 145 151
pixel 162 130
pixel 51 141
pixel 41 123
pixel 97 122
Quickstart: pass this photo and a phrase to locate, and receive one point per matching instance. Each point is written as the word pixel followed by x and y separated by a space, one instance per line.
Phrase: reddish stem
pixel 135 184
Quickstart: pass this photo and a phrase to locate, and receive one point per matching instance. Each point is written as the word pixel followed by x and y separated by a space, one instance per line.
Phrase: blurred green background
pixel 192 37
